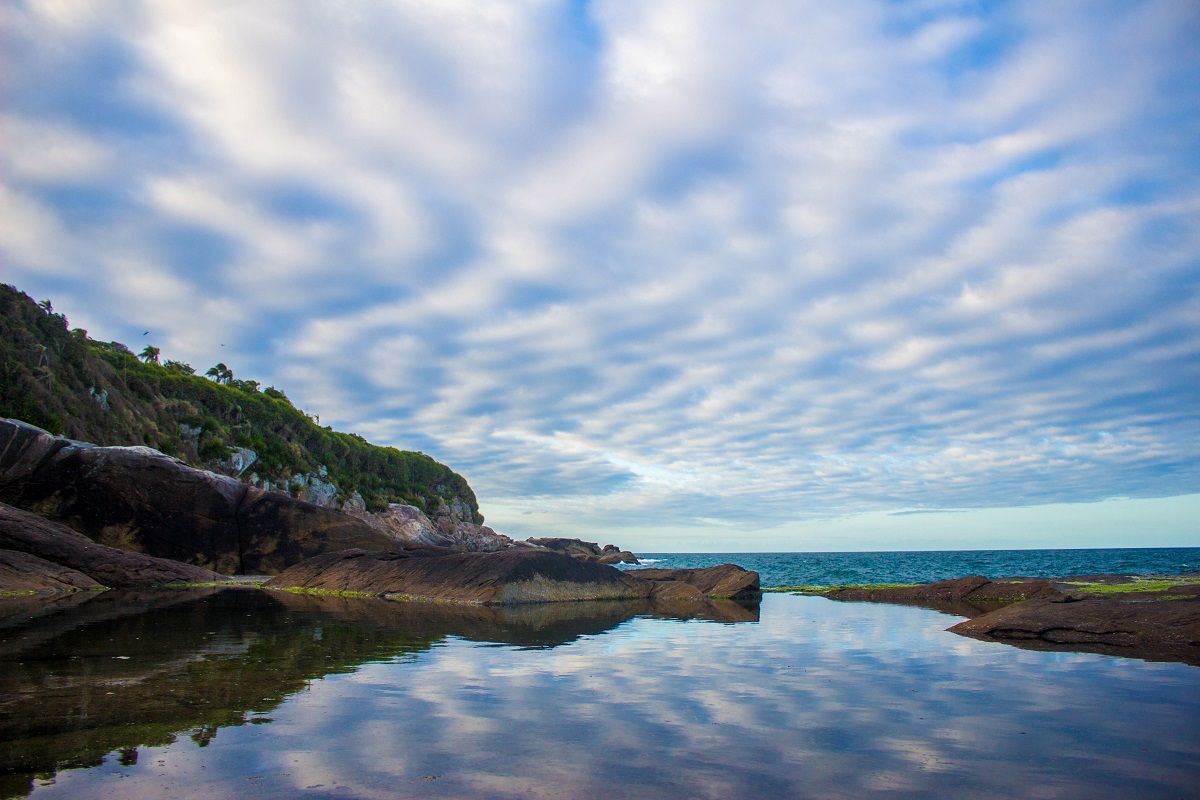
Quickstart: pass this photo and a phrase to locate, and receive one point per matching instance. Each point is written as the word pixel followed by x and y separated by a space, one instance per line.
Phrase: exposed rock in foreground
pixel 1155 619
pixel 1147 629
pixel 46 557
pixel 723 580
pixel 507 577
pixel 137 499
pixel 514 576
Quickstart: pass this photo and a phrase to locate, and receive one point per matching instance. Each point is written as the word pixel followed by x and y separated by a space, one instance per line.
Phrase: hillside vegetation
pixel 59 379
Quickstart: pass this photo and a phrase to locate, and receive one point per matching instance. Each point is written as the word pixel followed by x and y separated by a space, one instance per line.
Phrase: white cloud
pixel 45 152
pixel 667 262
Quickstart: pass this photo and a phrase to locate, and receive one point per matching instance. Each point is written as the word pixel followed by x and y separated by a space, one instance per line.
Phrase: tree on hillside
pixel 47 306
pixel 220 373
pixel 149 354
pixel 179 366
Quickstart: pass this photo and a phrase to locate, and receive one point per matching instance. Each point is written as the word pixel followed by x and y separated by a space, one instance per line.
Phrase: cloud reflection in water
pixel 816 699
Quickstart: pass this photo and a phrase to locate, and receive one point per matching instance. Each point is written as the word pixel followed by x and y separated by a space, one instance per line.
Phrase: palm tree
pixel 150 354
pixel 46 306
pixel 220 373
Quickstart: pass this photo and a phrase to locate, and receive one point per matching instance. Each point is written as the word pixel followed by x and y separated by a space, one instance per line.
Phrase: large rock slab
pixel 723 580
pixel 22 574
pixel 967 597
pixel 276 531
pixel 140 500
pixel 1168 629
pixel 508 577
pixel 56 559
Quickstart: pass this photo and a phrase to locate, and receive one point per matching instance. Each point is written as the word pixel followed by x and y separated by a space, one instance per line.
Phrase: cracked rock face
pixel 139 500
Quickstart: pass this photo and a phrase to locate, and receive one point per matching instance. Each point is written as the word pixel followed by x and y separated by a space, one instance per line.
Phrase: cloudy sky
pixel 682 275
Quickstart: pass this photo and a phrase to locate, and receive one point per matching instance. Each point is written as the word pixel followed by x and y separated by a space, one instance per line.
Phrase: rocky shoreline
pixel 77 517
pixel 1156 618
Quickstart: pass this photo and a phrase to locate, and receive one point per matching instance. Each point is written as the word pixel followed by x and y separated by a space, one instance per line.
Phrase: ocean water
pixel 248 695
pixel 825 569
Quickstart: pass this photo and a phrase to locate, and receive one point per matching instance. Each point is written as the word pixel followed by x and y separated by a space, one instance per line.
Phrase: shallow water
pixel 247 694
pixel 824 569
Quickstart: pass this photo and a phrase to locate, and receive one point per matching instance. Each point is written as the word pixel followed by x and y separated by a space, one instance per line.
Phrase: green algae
pixel 816 589
pixel 318 592
pixel 1136 585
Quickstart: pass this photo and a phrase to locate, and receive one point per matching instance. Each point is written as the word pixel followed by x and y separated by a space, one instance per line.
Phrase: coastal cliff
pixel 59 379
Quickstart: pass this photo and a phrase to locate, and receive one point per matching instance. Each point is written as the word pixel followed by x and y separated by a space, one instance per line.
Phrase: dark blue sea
pixel 824 569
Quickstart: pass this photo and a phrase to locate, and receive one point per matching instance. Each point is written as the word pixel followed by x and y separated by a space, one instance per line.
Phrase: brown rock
pixel 73 557
pixel 967 596
pixel 22 573
pixel 277 531
pixel 506 577
pixel 723 580
pixel 618 557
pixel 571 547
pixel 1148 629
pixel 137 499
pixel 677 593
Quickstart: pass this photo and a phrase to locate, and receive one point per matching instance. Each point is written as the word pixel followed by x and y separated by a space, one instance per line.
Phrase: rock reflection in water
pixel 365 699
pixel 91 674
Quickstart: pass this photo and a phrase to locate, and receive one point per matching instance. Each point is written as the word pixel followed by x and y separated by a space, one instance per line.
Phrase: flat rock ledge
pixel 1162 623
pixel 1152 629
pixel 45 557
pixel 508 577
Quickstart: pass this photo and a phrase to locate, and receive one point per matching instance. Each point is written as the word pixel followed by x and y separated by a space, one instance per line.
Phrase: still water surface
pixel 249 694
